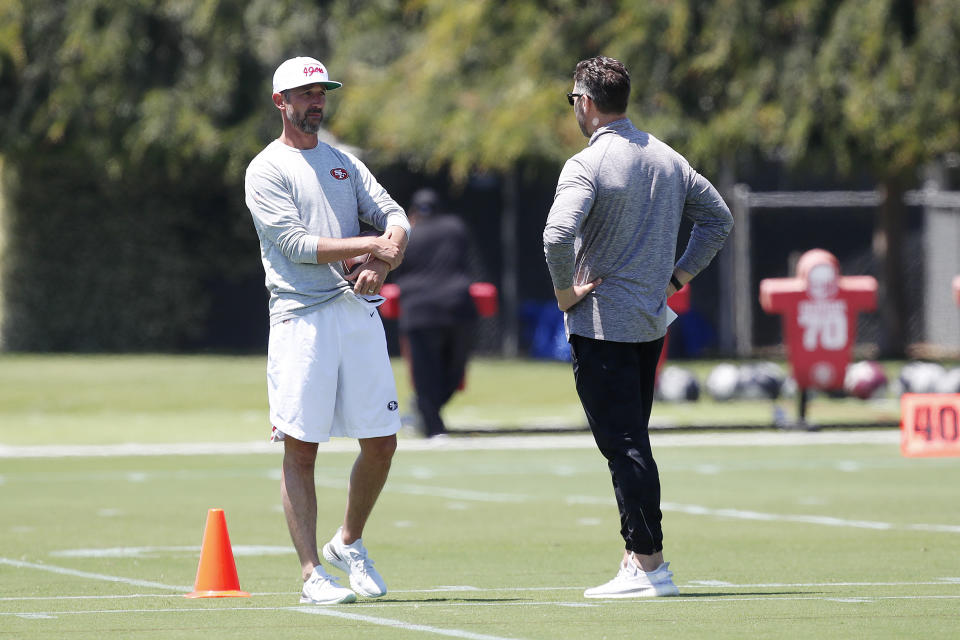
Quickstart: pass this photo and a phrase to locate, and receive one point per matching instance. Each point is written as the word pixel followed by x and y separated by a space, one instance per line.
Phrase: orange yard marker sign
pixel 930 424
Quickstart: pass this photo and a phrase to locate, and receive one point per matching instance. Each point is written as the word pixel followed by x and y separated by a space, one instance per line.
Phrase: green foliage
pixel 128 123
pixel 812 82
pixel 469 85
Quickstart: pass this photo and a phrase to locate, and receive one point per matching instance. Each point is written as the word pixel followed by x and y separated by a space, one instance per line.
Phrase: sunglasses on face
pixel 572 97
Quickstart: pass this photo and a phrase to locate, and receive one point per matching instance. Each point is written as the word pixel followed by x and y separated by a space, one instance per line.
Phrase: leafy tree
pixel 128 125
pixel 818 85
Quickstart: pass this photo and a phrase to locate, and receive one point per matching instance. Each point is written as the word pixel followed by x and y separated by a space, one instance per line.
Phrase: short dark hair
pixel 606 81
pixel 425 202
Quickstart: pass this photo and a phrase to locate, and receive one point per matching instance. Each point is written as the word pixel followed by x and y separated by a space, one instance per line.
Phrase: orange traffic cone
pixel 217 573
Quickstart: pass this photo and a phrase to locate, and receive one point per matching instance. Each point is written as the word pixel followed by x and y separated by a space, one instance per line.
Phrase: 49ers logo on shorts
pixel 339 173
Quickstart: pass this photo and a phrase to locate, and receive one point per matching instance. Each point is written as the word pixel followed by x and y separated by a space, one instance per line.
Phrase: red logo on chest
pixel 339 173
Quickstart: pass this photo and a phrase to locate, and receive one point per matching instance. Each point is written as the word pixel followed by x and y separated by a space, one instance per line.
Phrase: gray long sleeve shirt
pixel 616 215
pixel 298 196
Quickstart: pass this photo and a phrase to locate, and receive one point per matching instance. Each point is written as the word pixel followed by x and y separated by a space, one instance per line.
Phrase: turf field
pixel 770 534
pixel 107 399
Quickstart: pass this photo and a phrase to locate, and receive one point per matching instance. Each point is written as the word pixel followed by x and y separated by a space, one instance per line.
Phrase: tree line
pixel 128 123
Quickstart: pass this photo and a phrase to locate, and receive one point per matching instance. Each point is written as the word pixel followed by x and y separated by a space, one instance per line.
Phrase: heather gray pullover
pixel 616 215
pixel 298 196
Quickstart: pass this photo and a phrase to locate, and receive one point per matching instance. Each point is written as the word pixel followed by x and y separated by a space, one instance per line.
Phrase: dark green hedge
pixel 139 264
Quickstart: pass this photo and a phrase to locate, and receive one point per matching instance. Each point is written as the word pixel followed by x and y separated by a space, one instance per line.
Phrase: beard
pixel 304 123
pixel 581 122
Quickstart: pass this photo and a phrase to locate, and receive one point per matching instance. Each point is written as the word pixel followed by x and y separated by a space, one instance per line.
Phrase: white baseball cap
pixel 297 72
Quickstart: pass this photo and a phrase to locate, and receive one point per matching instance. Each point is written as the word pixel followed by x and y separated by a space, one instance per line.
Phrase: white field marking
pixel 92 576
pixel 849 466
pixel 673 599
pixel 806 519
pixel 719 584
pixel 135 449
pixel 456 494
pixel 741 514
pixel 340 613
pixel 853 599
pixel 692 584
pixel 128 596
pixel 493 443
pixel 689 509
pixel 432 491
pixel 153 552
pixel 397 624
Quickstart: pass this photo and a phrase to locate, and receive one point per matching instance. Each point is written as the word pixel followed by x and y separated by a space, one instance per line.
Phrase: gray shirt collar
pixel 623 124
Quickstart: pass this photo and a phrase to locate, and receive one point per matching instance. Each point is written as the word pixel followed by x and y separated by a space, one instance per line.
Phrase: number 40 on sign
pixel 930 424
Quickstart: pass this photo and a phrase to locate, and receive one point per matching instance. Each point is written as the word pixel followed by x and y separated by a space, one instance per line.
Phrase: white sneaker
pixel 353 559
pixel 633 582
pixel 322 588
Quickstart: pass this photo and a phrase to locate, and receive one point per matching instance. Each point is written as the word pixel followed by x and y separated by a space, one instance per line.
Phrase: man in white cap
pixel 328 372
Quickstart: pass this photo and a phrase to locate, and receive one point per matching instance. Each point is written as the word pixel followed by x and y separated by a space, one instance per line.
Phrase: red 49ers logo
pixel 339 173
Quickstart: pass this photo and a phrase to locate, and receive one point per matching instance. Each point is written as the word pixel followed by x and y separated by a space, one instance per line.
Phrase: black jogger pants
pixel 615 382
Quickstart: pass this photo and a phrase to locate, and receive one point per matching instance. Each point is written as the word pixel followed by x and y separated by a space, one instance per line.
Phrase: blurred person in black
pixel 437 315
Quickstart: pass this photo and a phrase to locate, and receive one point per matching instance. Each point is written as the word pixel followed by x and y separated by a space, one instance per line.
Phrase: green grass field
pixel 107 399
pixel 770 534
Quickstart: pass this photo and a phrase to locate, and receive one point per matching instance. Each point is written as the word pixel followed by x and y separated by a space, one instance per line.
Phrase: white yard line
pixel 397 624
pixel 340 613
pixel 435 492
pixel 92 576
pixel 689 509
pixel 828 521
pixel 689 589
pixel 387 622
pixel 347 614
pixel 693 585
pixel 743 514
pixel 456 443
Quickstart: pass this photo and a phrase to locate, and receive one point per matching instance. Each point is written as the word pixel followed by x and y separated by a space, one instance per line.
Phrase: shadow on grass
pixel 734 594
pixel 439 600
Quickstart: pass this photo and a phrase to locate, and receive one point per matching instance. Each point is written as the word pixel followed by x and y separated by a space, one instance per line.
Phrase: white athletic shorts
pixel 329 374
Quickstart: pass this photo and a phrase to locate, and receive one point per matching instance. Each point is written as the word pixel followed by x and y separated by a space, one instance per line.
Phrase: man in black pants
pixel 437 315
pixel 610 242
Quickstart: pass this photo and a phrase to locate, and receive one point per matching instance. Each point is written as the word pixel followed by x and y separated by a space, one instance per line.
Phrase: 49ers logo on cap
pixel 309 70
pixel 339 173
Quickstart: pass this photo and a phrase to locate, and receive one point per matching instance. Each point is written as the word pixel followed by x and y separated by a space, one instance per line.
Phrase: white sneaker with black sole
pixel 322 588
pixel 633 582
pixel 353 559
